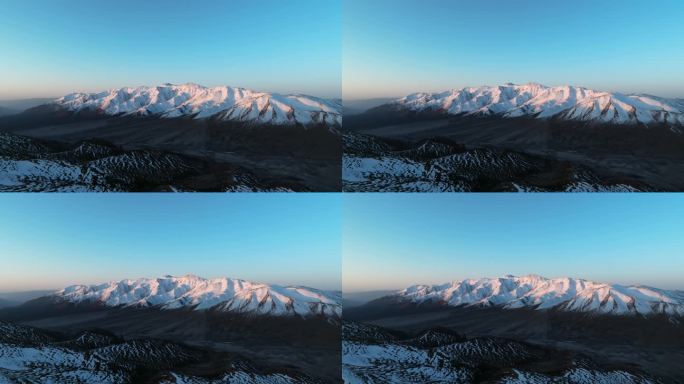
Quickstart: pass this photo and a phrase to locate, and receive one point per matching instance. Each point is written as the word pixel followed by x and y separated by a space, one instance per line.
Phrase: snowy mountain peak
pixel 199 102
pixel 537 292
pixel 197 293
pixel 539 101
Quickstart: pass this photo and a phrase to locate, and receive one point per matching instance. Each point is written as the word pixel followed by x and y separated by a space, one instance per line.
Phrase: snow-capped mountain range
pixel 222 103
pixel 218 294
pixel 539 101
pixel 565 294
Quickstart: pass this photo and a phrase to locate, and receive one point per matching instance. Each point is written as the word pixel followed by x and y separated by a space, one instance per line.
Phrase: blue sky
pixel 392 241
pixel 376 241
pixel 50 48
pixel 396 47
pixel 50 241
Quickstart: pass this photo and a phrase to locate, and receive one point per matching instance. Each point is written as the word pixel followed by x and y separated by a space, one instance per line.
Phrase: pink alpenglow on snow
pixel 219 294
pixel 566 294
pixel 539 101
pixel 221 103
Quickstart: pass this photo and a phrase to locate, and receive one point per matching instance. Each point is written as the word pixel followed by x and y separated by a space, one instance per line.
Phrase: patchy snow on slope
pixel 370 354
pixel 238 377
pixel 45 175
pixel 394 363
pixel 57 365
pixel 393 174
pixel 577 376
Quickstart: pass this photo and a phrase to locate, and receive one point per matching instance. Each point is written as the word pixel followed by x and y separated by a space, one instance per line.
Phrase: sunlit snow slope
pixel 537 292
pixel 221 294
pixel 563 102
pixel 223 103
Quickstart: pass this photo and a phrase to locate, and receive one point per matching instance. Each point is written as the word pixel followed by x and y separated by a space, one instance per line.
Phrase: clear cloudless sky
pixel 51 241
pixel 396 47
pixel 392 241
pixel 50 48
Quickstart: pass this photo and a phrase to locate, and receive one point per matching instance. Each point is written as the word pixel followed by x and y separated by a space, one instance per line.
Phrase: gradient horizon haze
pixel 396 47
pixel 55 240
pixel 393 241
pixel 52 48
